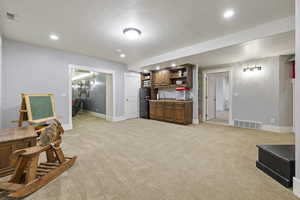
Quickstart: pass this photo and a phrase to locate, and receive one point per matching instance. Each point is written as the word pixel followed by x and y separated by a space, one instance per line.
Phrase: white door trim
pixel 211 71
pixel 293 85
pixel 125 92
pixel 93 69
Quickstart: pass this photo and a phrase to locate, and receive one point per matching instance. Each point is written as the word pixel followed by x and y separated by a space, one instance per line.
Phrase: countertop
pixel 172 100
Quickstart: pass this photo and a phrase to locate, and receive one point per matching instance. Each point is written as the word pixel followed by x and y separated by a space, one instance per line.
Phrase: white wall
pixel 285 92
pixel 257 96
pixel 297 106
pixel 31 69
pixel 0 79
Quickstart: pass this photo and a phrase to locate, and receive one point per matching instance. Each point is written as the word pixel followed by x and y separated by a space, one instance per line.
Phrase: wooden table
pixel 12 139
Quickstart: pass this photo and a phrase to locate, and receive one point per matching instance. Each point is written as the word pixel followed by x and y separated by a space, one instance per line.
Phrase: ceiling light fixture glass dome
pixel 132 33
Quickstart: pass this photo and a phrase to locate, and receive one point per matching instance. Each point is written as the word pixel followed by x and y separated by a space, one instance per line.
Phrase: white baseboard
pixel 117 119
pixel 132 116
pixel 196 121
pixel 100 115
pixel 296 187
pixel 67 127
pixel 109 118
pixel 277 129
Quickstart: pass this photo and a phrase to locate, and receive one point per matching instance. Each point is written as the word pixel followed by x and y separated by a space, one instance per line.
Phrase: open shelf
pixel 171 77
pixel 178 77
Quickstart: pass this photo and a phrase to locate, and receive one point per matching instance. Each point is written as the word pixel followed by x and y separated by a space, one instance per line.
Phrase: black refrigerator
pixel 144 102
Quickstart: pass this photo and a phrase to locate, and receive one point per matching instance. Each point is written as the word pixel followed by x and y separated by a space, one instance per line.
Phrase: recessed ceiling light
pixel 122 55
pixel 132 33
pixel 118 50
pixel 157 68
pixel 173 65
pixel 229 13
pixel 53 37
pixel 146 71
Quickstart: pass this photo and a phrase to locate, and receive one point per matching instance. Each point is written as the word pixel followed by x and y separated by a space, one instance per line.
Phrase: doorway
pixel 91 93
pixel 217 97
pixel 132 85
pixel 88 94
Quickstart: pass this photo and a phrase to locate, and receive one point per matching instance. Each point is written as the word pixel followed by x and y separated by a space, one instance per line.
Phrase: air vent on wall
pixel 247 124
pixel 10 16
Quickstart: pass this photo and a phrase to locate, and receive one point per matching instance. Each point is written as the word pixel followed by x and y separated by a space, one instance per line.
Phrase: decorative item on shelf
pixel 179 82
pixel 182 94
pixel 180 73
pixel 147 83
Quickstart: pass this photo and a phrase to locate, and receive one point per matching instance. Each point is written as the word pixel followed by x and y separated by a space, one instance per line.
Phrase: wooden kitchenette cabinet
pixel 161 78
pixel 171 111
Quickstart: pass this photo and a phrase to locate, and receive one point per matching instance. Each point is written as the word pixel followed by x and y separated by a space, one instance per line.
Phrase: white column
pixel 1 79
pixel 195 96
pixel 296 188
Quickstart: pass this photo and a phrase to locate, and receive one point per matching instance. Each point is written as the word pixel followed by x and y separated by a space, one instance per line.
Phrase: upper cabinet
pixel 180 76
pixel 161 78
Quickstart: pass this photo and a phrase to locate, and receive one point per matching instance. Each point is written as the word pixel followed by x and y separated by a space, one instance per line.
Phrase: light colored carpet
pixel 150 160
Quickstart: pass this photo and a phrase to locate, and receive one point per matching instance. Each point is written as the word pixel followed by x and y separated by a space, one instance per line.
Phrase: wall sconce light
pixel 256 67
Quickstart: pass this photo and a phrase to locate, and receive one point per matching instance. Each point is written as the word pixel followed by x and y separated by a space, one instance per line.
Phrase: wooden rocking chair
pixel 29 174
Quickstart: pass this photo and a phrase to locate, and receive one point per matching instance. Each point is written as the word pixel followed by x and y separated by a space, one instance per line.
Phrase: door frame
pixel 108 99
pixel 294 98
pixel 125 93
pixel 204 104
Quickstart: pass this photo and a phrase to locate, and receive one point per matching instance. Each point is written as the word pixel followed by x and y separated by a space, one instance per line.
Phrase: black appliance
pixel 144 102
pixel 278 161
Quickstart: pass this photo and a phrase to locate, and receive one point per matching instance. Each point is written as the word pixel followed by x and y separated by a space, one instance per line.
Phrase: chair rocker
pixel 30 174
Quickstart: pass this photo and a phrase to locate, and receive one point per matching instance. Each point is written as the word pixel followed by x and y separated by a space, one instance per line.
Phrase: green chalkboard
pixel 41 107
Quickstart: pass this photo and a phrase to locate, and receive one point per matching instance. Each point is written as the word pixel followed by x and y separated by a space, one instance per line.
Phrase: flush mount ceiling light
pixel 229 13
pixel 132 33
pixel 53 37
pixel 122 55
pixel 157 68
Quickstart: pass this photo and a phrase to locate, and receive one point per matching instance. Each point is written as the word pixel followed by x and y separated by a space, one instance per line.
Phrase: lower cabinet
pixel 160 111
pixel 176 112
pixel 169 112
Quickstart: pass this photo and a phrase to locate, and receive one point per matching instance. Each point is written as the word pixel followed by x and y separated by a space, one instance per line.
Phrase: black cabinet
pixel 278 161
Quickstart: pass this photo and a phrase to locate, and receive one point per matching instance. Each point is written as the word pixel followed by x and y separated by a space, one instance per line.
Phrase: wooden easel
pixel 26 113
pixel 30 174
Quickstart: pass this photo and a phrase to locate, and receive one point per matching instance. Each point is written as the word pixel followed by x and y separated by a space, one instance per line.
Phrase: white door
pixel 132 86
pixel 211 97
